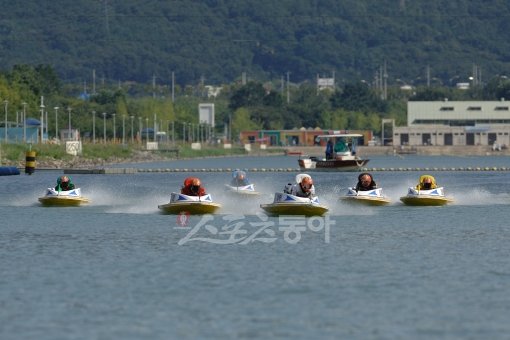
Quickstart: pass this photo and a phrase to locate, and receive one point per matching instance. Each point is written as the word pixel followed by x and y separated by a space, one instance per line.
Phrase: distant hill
pixel 215 41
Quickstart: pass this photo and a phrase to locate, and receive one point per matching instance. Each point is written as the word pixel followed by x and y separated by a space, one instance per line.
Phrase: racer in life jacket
pixel 305 188
pixel 239 179
pixel 192 187
pixel 365 182
pixel 64 184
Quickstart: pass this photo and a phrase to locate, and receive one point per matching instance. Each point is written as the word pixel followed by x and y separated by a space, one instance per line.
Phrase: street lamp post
pixel 24 122
pixel 104 127
pixel 114 132
pixel 5 124
pixel 56 122
pixel 155 126
pixel 140 128
pixel 123 129
pixel 42 120
pixel 132 137
pixel 147 129
pixel 69 133
pixel 94 127
pixel 173 132
pixel 47 123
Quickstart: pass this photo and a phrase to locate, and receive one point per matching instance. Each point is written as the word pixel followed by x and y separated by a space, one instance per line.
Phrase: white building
pixel 455 123
pixel 206 114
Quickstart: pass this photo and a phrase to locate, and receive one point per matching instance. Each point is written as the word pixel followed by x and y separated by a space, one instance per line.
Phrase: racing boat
pixel 193 205
pixel 240 185
pixel 287 204
pixel 246 190
pixel 369 197
pixel 344 158
pixel 433 197
pixel 63 198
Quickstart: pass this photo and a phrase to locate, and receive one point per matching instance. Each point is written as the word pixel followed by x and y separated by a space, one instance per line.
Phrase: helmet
pixel 196 182
pixel 306 183
pixel 427 182
pixel 240 175
pixel 64 179
pixel 364 174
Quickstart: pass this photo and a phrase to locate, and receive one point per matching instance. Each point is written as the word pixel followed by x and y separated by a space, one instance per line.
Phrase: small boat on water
pixel 287 204
pixel 63 198
pixel 368 197
pixel 432 197
pixel 193 205
pixel 340 157
pixel 239 185
pixel 246 190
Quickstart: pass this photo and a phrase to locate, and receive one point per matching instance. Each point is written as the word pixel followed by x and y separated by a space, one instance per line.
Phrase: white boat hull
pixel 193 205
pixel 434 197
pixel 286 204
pixel 63 198
pixel 247 190
pixel 369 197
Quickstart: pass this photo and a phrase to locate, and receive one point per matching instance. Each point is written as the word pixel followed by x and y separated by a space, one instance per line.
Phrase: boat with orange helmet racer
pixel 191 200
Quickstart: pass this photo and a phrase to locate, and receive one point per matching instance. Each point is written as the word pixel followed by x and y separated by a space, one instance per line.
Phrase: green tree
pixel 242 122
pixel 358 97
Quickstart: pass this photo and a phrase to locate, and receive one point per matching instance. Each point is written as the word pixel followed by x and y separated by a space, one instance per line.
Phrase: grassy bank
pixel 14 154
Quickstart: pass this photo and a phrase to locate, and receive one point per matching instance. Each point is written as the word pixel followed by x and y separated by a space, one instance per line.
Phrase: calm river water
pixel 119 269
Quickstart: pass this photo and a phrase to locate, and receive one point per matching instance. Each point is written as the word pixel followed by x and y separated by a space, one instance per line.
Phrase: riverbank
pixel 50 156
pixel 98 155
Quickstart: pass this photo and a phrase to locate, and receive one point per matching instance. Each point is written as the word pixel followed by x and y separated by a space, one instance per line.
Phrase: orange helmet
pixel 196 182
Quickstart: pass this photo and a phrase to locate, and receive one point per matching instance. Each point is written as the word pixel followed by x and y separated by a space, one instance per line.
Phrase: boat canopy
pixel 353 135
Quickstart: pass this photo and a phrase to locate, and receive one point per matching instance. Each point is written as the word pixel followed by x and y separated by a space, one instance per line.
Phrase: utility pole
pixel 140 128
pixel 5 124
pixel 385 76
pixel 56 122
pixel 132 137
pixel 428 75
pixel 123 129
pixel 24 121
pixel 153 86
pixel 69 128
pixel 288 91
pixel 93 81
pixel 104 127
pixel 173 87
pixel 42 119
pixel 94 127
pixel 173 132
pixel 114 128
